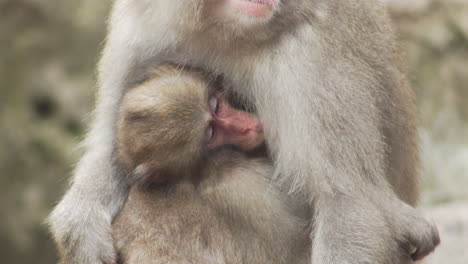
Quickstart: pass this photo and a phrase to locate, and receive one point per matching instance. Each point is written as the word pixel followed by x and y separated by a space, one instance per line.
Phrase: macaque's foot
pixel 418 236
pixel 82 237
pixel 373 231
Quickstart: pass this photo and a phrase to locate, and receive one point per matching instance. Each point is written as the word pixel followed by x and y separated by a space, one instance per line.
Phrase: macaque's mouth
pixel 254 8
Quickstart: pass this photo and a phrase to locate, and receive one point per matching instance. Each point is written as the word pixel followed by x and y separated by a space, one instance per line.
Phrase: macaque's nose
pixel 241 123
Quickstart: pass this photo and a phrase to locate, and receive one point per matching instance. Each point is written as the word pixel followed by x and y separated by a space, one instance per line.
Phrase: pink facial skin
pixel 227 126
pixel 254 8
pixel 235 127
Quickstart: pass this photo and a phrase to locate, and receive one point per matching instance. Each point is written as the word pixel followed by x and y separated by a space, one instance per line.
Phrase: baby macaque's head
pixel 170 123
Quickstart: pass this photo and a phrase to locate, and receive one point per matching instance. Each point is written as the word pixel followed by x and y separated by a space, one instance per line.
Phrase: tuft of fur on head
pixel 162 122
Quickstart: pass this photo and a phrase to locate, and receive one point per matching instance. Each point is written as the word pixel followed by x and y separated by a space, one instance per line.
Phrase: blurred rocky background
pixel 48 51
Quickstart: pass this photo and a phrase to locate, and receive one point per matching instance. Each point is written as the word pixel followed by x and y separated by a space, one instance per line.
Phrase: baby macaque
pixel 170 123
pixel 206 203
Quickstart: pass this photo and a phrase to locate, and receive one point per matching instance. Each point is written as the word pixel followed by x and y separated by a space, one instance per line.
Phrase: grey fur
pixel 337 111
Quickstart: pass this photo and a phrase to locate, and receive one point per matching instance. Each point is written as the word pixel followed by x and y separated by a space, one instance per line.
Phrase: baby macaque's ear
pixel 146 174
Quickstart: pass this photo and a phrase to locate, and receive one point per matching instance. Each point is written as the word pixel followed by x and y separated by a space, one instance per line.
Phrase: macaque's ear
pixel 145 174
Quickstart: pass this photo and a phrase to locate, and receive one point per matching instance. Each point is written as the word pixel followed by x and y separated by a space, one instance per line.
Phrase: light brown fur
pixel 228 211
pixel 163 121
pixel 233 216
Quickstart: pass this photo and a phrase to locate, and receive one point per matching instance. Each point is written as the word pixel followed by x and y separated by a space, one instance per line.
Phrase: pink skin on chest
pixel 254 8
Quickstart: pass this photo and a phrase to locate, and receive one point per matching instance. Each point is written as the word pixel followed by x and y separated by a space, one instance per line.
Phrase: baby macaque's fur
pixel 235 215
pixel 226 210
pixel 162 123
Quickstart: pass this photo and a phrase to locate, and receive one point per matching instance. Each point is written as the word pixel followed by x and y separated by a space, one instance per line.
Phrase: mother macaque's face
pixel 234 17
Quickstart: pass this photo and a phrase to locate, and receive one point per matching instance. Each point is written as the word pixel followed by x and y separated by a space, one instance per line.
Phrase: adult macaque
pixel 207 204
pixel 321 75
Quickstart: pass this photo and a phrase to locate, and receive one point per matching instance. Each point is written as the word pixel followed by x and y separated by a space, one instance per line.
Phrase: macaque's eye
pixel 214 105
pixel 210 133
